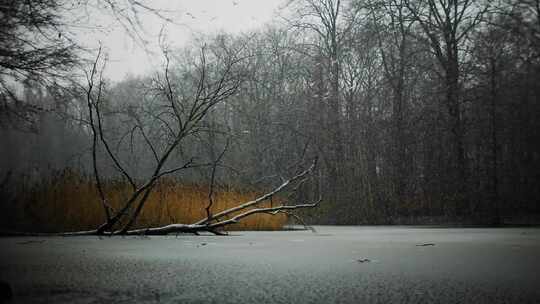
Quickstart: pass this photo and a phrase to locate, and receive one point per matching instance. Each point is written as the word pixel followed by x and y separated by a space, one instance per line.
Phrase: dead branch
pixel 271 210
pixel 260 199
pixel 212 181
pixel 173 228
pixel 94 136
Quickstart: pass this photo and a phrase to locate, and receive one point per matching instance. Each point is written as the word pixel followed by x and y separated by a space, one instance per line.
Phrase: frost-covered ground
pixel 335 265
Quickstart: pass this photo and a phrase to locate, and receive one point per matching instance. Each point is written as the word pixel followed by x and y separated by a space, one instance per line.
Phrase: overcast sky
pixel 126 57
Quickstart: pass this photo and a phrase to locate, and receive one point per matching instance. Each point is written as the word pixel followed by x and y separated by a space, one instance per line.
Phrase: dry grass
pixel 70 202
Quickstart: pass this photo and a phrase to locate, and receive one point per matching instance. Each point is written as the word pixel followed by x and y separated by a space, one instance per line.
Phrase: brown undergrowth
pixel 69 202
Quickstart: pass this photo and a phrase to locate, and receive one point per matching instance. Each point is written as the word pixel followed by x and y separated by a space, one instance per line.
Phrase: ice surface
pixel 469 265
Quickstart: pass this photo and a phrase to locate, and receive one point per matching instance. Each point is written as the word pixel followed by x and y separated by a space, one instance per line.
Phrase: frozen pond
pixel 334 265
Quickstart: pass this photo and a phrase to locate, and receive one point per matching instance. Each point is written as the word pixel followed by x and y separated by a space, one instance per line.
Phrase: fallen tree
pixel 176 112
pixel 215 223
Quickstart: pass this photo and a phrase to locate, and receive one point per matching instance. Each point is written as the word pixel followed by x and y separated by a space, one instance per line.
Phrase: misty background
pixel 417 111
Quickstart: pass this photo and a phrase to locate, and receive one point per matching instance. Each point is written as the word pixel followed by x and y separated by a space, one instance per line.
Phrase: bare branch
pixel 260 199
pixel 212 181
pixel 274 210
pixel 94 137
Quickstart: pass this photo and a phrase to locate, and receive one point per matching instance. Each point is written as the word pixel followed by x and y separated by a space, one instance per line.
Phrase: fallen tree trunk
pixel 213 224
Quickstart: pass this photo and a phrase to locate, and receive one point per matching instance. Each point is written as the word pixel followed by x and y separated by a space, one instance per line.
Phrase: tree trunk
pixel 454 109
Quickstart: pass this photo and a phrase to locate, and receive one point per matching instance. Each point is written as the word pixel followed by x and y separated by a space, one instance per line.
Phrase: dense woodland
pixel 413 108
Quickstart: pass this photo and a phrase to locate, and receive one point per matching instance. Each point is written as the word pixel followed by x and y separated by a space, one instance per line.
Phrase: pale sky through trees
pixel 192 17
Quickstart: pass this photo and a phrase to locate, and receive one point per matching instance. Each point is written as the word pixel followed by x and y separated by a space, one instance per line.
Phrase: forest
pixel 401 111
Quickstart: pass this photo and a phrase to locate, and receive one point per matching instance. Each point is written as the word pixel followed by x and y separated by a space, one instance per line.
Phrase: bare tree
pixel 393 31
pixel 446 26
pixel 214 78
pixel 326 19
